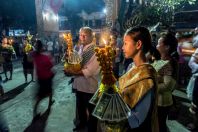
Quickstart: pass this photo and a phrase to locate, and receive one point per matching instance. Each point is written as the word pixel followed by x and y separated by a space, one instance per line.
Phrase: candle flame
pixel 105 42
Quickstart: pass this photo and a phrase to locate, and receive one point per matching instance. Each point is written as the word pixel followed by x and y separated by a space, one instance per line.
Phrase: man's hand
pixel 68 72
pixel 72 72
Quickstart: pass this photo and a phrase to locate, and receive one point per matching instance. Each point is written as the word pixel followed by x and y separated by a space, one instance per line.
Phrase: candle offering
pixel 72 58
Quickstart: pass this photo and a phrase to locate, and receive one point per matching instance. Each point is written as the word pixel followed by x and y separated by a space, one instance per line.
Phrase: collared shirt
pixel 89 82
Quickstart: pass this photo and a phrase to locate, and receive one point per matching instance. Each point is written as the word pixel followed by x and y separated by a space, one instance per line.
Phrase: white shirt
pixel 89 82
pixel 49 45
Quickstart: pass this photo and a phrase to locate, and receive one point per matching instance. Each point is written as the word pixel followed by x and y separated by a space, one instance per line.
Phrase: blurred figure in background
pixel 182 62
pixel 192 88
pixel 7 51
pixel 56 52
pixel 3 123
pixel 167 77
pixel 28 65
pixel 43 66
pixel 50 46
pixel 195 38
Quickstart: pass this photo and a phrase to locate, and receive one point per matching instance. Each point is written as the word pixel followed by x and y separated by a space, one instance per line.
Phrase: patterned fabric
pixel 166 84
pixel 87 54
pixel 158 64
pixel 135 84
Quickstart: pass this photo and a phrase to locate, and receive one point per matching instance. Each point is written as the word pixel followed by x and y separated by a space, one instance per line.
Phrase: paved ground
pixel 17 106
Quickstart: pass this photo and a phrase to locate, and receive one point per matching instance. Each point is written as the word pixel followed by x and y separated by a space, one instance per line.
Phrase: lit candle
pixel 104 41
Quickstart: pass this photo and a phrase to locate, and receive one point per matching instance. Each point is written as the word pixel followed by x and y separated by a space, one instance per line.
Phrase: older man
pixel 86 81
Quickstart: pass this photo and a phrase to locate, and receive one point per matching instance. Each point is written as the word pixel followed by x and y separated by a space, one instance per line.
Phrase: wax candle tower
pixel 110 107
pixel 71 59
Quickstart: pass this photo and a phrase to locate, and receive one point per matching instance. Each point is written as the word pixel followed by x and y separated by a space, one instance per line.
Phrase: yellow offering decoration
pixel 110 108
pixel 105 57
pixel 28 48
pixel 71 60
pixel 8 46
pixel 29 36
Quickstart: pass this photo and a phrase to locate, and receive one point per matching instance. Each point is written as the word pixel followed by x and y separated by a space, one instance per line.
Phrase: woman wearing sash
pixel 138 86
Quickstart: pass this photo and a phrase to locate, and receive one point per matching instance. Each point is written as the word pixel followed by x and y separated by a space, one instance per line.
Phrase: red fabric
pixel 43 66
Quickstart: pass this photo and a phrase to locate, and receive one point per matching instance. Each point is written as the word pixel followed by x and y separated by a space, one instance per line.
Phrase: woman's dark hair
pixel 171 41
pixel 39 46
pixel 155 53
pixel 142 34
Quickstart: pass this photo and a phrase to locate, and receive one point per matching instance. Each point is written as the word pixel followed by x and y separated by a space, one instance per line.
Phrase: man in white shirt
pixel 50 47
pixel 86 82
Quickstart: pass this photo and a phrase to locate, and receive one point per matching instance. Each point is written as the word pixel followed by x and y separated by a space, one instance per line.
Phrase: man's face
pixel 85 37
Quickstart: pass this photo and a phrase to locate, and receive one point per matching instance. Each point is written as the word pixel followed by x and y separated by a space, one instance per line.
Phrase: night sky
pixel 20 13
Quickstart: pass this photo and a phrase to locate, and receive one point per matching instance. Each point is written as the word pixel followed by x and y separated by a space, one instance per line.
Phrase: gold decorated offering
pixel 71 67
pixel 68 39
pixel 72 59
pixel 105 56
pixel 28 48
pixel 109 105
pixel 8 46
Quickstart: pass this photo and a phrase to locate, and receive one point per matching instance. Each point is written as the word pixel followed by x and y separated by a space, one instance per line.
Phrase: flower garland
pixel 105 57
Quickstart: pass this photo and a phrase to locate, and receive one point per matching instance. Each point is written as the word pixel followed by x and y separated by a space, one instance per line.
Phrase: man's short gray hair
pixel 87 30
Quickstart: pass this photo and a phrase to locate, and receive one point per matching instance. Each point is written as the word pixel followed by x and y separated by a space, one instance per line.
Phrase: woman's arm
pixel 140 111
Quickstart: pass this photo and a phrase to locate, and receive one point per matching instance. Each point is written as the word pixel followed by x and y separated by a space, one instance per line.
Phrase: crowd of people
pixel 145 84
